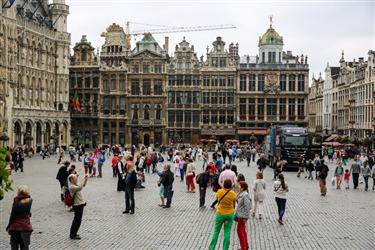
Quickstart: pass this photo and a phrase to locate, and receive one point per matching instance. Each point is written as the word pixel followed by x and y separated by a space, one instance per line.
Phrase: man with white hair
pixel 78 203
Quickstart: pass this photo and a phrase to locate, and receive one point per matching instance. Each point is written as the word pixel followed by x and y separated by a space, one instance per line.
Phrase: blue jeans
pixel 281 207
pixel 168 194
pixel 182 174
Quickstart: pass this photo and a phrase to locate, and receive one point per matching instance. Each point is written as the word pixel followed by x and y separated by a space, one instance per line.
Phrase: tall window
pixel 214 117
pixel 158 87
pixel 251 109
pixel 135 90
pixel 171 80
pixel 122 105
pixel 214 97
pixel 206 80
pixel 221 117
pixel 180 80
pixel 214 81
pixel 230 117
pixel 243 113
pixel 242 82
pixel 206 97
pixel 187 80
pixel 114 105
pixel 252 83
pixel 113 82
pixel 196 117
pixel 196 81
pixel 146 87
pixel 107 104
pixel 196 97
pixel 146 68
pixel 157 68
pixel 158 112
pixel 223 62
pixel 171 116
pixel 282 82
pixel 106 85
pixel 187 117
pixel 146 112
pixel 282 108
pixel 301 82
pixel 179 97
pixel 135 68
pixel 292 107
pixel 171 97
pixel 301 107
pixel 230 98
pixel 135 110
pixel 292 83
pixel 260 108
pixel 122 83
pixel 222 81
pixel 206 116
pixel 263 57
pixel 261 82
pixel 271 108
pixel 179 117
pixel 230 81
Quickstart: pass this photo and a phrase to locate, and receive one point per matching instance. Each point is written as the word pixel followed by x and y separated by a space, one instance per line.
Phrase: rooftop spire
pixel 271 20
pixel 342 57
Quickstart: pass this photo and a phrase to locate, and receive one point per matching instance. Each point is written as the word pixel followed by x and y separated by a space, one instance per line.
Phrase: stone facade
pixel 36 50
pixel 315 104
pixel 272 88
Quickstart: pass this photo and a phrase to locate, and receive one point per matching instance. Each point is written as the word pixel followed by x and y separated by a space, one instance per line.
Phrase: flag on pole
pixel 76 104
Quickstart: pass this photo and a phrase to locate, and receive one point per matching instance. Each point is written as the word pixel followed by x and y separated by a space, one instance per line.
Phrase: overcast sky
pixel 321 28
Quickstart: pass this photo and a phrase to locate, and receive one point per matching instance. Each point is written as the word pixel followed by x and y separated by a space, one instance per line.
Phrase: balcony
pixel 292 118
pixel 301 117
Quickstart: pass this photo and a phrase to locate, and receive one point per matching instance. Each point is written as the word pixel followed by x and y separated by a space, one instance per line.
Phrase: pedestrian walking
pixel 242 214
pixel 114 165
pixel 262 163
pixel 339 173
pixel 302 166
pixel 366 173
pixel 62 176
pixel 190 175
pixel 373 178
pixel 226 198
pixel 280 189
pixel 347 178
pixel 19 226
pixel 310 169
pixel 259 188
pixel 101 161
pixel 130 182
pixel 202 180
pixel 78 203
pixel 167 180
pixel 355 170
pixel 205 159
pixel 323 173
pixel 248 156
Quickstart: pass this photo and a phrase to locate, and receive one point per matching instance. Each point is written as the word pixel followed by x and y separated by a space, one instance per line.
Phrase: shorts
pixel 161 191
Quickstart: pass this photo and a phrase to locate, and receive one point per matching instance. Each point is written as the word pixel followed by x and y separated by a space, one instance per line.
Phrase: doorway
pixel 146 140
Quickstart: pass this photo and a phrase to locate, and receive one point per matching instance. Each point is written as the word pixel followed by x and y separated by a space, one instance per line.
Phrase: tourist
pixel 227 174
pixel 373 178
pixel 78 203
pixel 347 178
pixel 310 169
pixel 86 162
pixel 101 161
pixel 242 213
pixel 161 190
pixel 19 227
pixel 167 180
pixel 114 165
pixel 226 198
pixel 248 156
pixel 366 172
pixel 176 161
pixel 205 159
pixel 355 170
pixel 120 173
pixel 219 163
pixel 148 163
pixel 62 176
pixel 323 173
pixel 130 182
pixel 202 180
pixel 302 167
pixel 234 169
pixel 339 172
pixel 261 163
pixel 91 164
pixel 60 152
pixel 190 174
pixel 182 168
pixel 280 189
pixel 140 180
pixel 259 188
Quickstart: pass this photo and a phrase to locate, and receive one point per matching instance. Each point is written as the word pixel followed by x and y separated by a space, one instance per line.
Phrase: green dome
pixel 271 37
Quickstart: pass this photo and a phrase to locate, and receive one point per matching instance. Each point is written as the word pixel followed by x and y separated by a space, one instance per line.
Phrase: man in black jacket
pixel 130 182
pixel 202 180
pixel 167 179
pixel 62 177
pixel 323 173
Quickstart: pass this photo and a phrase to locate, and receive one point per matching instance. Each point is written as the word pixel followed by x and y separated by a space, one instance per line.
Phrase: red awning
pixel 331 138
pixel 218 132
pixel 252 131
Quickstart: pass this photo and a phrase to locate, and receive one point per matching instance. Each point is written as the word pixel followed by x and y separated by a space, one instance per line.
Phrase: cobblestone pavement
pixel 344 219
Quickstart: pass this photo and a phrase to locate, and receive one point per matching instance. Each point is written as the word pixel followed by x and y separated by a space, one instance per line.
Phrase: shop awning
pixel 331 138
pixel 252 131
pixel 218 132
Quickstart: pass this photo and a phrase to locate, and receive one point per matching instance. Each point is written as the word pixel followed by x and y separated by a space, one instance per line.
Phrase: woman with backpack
pixel 280 189
pixel 226 198
pixel 242 213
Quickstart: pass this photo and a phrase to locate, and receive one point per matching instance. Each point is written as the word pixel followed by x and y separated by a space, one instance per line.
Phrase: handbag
pixel 333 180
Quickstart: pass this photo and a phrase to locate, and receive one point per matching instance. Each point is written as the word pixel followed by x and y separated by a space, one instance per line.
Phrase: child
pixel 347 178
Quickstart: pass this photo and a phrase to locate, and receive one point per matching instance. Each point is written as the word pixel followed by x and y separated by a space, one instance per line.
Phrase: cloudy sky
pixel 319 28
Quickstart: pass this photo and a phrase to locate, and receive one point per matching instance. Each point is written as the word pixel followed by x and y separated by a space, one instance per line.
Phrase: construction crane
pixel 171 29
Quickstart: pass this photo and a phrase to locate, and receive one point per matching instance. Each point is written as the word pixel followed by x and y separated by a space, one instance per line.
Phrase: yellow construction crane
pixel 171 29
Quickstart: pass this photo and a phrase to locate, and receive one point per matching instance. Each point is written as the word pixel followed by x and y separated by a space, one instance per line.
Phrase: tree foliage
pixel 5 180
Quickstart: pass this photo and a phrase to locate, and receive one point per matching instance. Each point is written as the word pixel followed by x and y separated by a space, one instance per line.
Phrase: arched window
pixel 146 112
pixel 158 112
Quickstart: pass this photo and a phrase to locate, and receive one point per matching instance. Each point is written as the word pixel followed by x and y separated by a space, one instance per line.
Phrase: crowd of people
pixel 235 200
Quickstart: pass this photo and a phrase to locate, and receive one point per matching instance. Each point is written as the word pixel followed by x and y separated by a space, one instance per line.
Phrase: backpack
pixel 68 199
pixel 148 160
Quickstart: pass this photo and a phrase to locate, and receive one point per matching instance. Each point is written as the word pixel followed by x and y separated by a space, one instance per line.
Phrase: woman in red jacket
pixel 19 226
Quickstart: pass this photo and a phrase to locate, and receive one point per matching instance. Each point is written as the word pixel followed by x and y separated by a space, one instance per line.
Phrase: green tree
pixel 5 180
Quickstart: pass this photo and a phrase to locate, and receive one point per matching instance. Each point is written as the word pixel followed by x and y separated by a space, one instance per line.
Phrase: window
pixel 271 108
pixel 301 82
pixel 113 125
pixel 214 81
pixel 261 82
pixel 179 97
pixel 252 82
pixel 282 82
pixel 196 81
pixel 230 81
pixel 230 117
pixel 260 108
pixel 196 117
pixel 206 80
pixel 135 90
pixel 187 80
pixel 222 97
pixel 171 97
pixel 222 81
pixel 171 80
pixel 271 57
pixel 292 83
pixel 301 107
pixel 171 116
pixel 107 104
pixel 188 97
pixel 146 68
pixel 113 105
pixel 157 68
pixel 180 80
pixel 206 98
pixel 122 105
pixel 263 57
pixel 158 112
pixel 113 82
pixel 214 62
pixel 122 83
pixel 188 117
pixel 213 97
pixel 251 109
pixel 214 117
pixel 206 116
pixel 146 87
pixel 196 97
pixel 158 87
pixel 230 98
pixel 95 82
pixel 105 85
pixel 243 114
pixel 242 82
pixel 292 107
pixel 221 117
pixel 282 107
pixel 223 62
pixel 179 117
pixel 87 82
pixel 146 112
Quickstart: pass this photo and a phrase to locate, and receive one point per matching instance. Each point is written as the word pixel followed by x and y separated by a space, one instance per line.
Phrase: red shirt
pixel 346 176
pixel 114 161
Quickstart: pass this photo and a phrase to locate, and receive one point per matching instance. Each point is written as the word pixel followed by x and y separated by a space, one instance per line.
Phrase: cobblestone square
pixel 344 219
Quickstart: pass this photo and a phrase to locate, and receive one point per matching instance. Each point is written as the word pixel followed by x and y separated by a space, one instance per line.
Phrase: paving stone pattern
pixel 344 219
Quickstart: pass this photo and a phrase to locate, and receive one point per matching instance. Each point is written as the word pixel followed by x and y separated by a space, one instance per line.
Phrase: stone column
pixel 68 135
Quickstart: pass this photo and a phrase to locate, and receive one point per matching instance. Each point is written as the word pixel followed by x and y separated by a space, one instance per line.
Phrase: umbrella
pixel 333 144
pixel 244 142
pixel 212 141
pixel 234 141
pixel 203 140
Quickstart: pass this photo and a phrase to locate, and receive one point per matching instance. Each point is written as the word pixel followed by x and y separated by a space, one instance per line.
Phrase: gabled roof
pixel 148 43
